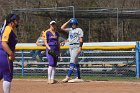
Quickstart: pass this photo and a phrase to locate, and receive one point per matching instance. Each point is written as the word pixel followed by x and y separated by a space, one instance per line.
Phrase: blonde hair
pixel 42 32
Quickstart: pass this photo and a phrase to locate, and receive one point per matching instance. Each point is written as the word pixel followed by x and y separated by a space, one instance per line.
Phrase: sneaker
pixel 66 79
pixel 76 80
pixel 53 81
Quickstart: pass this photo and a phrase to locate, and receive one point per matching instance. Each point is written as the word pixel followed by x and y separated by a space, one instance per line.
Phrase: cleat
pixel 66 79
pixel 52 81
pixel 76 80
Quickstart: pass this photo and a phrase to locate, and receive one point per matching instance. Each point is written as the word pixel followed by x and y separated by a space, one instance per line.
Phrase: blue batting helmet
pixel 73 21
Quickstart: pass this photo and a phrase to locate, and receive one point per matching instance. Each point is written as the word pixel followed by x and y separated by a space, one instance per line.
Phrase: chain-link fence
pixel 98 24
pixel 92 62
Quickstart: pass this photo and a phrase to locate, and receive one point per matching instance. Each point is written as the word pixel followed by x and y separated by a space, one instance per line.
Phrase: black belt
pixel 53 44
pixel 74 44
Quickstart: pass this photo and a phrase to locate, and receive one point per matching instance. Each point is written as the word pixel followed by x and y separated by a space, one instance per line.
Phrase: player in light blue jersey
pixel 75 43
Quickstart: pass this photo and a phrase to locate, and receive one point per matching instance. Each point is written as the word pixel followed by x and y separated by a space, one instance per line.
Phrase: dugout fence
pixel 104 58
pixel 99 24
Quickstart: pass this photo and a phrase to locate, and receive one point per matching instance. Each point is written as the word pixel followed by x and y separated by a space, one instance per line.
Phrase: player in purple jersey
pixel 51 37
pixel 8 41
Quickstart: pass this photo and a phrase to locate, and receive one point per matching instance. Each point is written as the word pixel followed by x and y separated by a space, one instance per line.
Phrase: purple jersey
pixel 52 40
pixel 9 36
pixel 6 65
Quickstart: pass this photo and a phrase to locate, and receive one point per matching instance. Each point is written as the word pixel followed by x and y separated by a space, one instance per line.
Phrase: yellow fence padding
pixel 84 47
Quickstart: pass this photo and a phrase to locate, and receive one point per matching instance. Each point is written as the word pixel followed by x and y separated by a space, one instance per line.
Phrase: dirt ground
pixel 41 86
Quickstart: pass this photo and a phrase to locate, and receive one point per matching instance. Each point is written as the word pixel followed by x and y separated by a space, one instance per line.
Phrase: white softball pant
pixel 73 54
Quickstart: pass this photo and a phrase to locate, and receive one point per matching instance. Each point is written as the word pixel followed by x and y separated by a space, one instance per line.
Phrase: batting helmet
pixel 73 21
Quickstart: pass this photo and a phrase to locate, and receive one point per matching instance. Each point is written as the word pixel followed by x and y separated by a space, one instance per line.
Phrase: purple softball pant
pixel 52 60
pixel 6 67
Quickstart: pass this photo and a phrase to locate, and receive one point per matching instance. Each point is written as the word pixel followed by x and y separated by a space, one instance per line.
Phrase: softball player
pixel 36 54
pixel 75 42
pixel 8 41
pixel 52 44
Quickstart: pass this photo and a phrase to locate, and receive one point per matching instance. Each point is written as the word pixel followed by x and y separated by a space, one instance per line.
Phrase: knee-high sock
pixel 49 72
pixel 71 69
pixel 53 73
pixel 78 71
pixel 6 86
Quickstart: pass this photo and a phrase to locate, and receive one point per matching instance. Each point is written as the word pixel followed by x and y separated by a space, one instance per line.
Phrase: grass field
pixel 93 78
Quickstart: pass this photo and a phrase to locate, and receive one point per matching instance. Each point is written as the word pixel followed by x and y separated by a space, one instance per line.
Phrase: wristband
pixel 81 44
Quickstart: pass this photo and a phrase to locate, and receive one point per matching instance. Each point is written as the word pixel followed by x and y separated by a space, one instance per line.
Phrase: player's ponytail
pixel 3 27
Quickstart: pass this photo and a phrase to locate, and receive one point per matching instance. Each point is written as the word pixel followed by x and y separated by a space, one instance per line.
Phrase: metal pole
pixel 89 32
pixel 22 53
pixel 73 9
pixel 117 26
pixel 137 61
pixel 122 29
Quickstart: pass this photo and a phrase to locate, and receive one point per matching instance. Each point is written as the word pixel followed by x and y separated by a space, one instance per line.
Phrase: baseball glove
pixel 52 52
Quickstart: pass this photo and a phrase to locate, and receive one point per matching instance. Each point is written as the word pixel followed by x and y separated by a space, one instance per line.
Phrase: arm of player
pixel 63 27
pixel 80 46
pixel 47 46
pixel 8 50
pixel 59 44
pixel 45 39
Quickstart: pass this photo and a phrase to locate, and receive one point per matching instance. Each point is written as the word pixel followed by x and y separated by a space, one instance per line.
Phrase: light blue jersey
pixel 74 35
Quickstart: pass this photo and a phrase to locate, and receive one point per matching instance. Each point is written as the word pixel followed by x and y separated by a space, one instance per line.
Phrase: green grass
pixel 93 78
pixel 110 78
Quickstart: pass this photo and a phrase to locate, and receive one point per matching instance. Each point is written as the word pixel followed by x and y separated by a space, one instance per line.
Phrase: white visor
pixel 52 22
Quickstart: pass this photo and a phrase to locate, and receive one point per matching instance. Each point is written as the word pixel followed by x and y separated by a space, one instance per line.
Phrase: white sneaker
pixel 76 80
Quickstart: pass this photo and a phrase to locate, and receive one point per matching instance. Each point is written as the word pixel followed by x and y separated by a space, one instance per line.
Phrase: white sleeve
pixel 81 34
pixel 68 29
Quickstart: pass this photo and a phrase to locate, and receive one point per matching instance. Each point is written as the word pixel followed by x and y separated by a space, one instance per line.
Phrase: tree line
pixel 96 30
